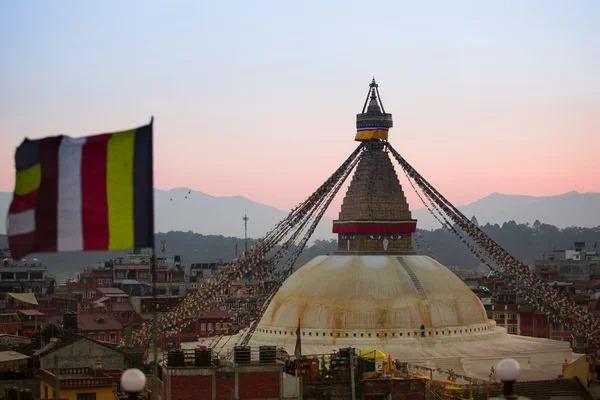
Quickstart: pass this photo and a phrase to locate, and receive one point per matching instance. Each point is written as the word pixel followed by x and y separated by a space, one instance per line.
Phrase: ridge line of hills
pixel 526 242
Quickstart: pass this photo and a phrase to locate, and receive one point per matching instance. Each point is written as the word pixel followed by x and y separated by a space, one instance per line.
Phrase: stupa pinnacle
pixel 373 123
pixel 375 217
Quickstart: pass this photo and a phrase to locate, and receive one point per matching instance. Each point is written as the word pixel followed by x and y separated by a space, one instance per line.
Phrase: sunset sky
pixel 259 98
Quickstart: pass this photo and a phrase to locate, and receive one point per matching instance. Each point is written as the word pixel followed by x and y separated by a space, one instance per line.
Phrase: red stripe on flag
pixel 46 213
pixel 21 245
pixel 94 203
pixel 24 202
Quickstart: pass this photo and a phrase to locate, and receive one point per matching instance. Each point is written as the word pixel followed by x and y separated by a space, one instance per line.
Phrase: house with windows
pixel 77 351
pixel 99 326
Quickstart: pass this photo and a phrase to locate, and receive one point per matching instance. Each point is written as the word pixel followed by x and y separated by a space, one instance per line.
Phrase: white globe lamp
pixel 508 371
pixel 133 380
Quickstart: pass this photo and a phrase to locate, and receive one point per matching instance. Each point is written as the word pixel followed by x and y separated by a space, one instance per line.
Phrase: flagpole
pixel 153 274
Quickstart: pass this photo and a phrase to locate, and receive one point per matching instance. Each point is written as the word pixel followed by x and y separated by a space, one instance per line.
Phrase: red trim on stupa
pixel 367 227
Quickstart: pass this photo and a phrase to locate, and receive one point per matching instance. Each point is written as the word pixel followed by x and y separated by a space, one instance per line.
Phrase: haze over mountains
pixel 185 210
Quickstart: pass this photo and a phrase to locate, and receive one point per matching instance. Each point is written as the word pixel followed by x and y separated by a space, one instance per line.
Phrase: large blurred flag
pixel 83 194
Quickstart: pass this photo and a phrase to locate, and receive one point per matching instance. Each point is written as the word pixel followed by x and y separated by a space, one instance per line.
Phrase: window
pixel 22 276
pixel 202 327
pixel 567 329
pixel 86 396
pixel 218 327
pixel 512 316
pixel 101 337
pixel 91 294
pixel 500 316
pixel 210 326
pixel 581 342
pixel 113 337
pixel 36 276
pixel 556 327
pixel 120 275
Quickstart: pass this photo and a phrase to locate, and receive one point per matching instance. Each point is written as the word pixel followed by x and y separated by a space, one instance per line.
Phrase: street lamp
pixel 508 371
pixel 133 381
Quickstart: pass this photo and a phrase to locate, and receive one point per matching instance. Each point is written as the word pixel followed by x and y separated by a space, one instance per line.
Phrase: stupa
pixel 375 292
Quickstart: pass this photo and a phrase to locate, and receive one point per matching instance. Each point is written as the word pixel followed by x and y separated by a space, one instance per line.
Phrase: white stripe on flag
pixel 70 225
pixel 21 223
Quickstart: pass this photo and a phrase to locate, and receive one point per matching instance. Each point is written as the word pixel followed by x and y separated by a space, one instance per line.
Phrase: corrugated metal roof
pixel 24 297
pixel 6 356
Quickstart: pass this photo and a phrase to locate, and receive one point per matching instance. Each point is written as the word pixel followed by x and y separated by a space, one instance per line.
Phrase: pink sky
pixel 493 97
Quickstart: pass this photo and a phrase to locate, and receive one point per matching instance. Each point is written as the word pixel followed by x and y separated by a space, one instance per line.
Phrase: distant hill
pixel 562 211
pixel 188 210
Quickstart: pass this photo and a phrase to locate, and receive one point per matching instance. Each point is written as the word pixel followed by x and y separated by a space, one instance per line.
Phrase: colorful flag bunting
pixel 83 194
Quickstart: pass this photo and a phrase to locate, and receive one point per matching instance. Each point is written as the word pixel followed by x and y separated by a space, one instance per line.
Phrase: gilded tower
pixel 375 217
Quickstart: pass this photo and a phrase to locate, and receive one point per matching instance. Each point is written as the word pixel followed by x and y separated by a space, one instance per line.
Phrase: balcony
pixel 75 377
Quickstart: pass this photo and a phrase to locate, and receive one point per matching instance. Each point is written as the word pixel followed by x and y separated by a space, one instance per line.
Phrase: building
pixel 375 292
pixel 79 383
pixel 99 326
pixel 137 268
pixel 21 276
pixel 95 276
pixel 193 377
pixel 32 321
pixel 77 351
pixel 10 324
pixel 16 371
pixel 577 264
pixel 533 322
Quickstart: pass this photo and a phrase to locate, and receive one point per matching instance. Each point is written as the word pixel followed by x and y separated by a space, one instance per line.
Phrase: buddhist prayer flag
pixel 83 194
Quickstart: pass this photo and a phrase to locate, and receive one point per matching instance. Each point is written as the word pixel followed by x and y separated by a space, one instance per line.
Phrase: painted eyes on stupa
pixel 375 237
pixel 396 237
pixel 348 237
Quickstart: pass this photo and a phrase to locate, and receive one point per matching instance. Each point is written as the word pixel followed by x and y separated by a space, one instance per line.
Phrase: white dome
pixel 374 293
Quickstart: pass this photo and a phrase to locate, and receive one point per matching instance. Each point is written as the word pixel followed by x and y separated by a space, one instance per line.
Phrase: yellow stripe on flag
pixel 119 190
pixel 28 180
pixel 381 134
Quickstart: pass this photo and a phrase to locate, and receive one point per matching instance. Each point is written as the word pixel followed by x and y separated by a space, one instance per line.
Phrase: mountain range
pixel 185 210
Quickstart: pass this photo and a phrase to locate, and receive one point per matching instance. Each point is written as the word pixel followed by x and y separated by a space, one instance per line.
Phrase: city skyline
pixel 260 100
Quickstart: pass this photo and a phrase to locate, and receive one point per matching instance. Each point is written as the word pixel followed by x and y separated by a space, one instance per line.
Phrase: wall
pixel 83 353
pixel 259 385
pixel 578 369
pixel 102 393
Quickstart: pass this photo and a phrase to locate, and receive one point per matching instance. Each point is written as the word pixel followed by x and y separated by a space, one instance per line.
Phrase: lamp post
pixel 507 372
pixel 133 381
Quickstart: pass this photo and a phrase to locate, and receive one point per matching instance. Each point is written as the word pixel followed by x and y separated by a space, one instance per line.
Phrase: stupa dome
pixel 375 295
